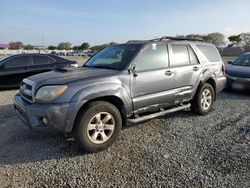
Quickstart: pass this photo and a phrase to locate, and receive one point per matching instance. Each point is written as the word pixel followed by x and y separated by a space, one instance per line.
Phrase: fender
pixel 103 90
pixel 206 74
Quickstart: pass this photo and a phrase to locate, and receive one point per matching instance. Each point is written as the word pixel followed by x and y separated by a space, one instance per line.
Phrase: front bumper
pixel 59 117
pixel 238 83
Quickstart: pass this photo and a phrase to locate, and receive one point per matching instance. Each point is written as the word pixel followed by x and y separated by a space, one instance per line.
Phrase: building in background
pixel 4 46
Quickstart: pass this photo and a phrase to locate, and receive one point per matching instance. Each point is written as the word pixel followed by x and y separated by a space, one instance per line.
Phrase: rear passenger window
pixel 153 57
pixel 193 57
pixel 180 55
pixel 211 52
pixel 40 60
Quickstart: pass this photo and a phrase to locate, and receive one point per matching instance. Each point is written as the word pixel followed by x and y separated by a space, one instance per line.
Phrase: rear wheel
pixel 98 126
pixel 203 101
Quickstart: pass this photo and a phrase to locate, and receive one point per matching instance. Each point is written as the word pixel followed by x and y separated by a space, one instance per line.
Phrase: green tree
pixel 75 48
pixel 64 46
pixel 235 39
pixel 112 43
pixel 84 46
pixel 28 47
pixel 51 47
pixel 15 45
pixel 99 47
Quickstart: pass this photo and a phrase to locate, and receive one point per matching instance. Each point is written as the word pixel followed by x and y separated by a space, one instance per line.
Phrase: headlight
pixel 48 93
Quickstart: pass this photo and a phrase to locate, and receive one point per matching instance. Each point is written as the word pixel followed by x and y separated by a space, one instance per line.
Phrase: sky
pixel 49 22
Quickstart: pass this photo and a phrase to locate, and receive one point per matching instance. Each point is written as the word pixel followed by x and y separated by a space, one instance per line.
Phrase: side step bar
pixel 157 114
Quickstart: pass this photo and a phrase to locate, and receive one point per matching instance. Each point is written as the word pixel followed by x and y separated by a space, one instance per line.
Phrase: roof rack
pixel 168 38
pixel 180 38
pixel 134 41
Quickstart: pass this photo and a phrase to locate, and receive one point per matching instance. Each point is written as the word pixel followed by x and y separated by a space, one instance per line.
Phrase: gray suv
pixel 130 82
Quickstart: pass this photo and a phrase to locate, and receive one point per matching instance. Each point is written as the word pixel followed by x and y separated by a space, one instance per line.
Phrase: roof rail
pixel 134 41
pixel 168 38
pixel 180 38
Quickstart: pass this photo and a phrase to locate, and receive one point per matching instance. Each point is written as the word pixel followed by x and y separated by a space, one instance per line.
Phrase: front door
pixel 15 69
pixel 152 82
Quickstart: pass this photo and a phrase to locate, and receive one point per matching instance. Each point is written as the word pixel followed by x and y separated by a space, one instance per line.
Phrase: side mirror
pixel 229 62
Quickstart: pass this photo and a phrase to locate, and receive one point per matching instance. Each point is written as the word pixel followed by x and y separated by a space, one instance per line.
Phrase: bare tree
pixel 217 39
pixel 245 39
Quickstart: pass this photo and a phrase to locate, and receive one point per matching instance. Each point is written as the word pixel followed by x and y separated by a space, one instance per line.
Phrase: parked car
pixel 130 82
pixel 91 53
pixel 14 69
pixel 238 73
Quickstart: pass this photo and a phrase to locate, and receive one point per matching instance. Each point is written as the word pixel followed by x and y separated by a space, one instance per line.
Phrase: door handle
pixel 168 73
pixel 195 68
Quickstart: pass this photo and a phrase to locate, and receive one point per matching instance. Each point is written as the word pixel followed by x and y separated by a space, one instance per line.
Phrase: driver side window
pixel 152 57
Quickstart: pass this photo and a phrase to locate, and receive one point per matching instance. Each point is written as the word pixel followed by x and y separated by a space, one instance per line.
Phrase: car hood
pixel 65 76
pixel 238 71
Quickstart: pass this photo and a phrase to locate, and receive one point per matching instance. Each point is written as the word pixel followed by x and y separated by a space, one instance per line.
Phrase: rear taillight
pixel 223 69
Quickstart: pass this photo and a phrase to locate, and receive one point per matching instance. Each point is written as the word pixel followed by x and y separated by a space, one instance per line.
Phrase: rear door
pixel 186 68
pixel 15 69
pixel 151 84
pixel 41 63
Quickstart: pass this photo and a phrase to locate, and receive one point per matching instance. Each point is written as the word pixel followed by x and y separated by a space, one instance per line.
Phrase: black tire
pixel 81 133
pixel 196 104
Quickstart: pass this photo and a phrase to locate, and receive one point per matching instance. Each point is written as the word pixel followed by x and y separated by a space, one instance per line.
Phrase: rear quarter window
pixel 210 52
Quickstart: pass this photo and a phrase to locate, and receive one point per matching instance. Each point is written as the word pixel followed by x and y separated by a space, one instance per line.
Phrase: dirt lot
pixel 178 150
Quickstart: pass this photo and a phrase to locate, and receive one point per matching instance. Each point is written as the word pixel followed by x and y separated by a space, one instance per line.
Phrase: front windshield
pixel 114 57
pixel 243 60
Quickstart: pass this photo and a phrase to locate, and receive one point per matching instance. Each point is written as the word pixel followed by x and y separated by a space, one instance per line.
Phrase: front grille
pixel 27 90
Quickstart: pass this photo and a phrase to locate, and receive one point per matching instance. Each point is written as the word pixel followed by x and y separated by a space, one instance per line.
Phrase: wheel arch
pixel 212 82
pixel 112 99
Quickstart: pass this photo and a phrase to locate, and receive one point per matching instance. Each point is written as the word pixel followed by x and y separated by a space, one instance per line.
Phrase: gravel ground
pixel 177 150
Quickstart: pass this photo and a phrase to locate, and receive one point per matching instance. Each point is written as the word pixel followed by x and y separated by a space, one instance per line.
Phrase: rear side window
pixel 193 57
pixel 210 52
pixel 41 60
pixel 152 57
pixel 17 62
pixel 180 55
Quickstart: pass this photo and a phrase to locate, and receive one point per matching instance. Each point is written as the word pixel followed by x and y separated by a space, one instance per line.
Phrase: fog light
pixel 45 121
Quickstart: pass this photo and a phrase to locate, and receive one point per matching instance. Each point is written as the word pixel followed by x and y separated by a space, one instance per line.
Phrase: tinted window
pixel 153 57
pixel 17 62
pixel 210 52
pixel 193 57
pixel 180 55
pixel 243 60
pixel 40 60
pixel 114 57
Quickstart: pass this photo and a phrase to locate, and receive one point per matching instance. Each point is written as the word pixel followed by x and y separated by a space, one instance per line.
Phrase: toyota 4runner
pixel 130 82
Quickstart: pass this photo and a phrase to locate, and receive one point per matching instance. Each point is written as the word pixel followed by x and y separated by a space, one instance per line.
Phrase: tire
pixel 201 105
pixel 98 126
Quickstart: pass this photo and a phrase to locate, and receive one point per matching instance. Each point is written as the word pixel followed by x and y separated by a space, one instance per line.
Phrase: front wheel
pixel 98 126
pixel 203 101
